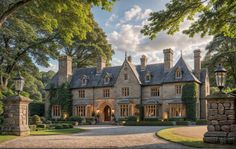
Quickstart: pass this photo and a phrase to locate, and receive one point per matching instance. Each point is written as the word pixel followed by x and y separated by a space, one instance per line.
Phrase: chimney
pixel 65 69
pixel 143 61
pixel 197 63
pixel 130 59
pixel 168 59
pixel 101 63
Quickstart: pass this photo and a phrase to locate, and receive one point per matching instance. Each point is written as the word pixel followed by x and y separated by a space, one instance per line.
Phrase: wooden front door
pixel 107 113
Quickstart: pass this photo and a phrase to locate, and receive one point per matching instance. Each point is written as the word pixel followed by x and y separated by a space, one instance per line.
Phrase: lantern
pixel 220 74
pixel 19 83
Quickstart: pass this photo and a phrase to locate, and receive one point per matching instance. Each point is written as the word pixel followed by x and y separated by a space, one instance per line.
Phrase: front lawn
pixel 4 138
pixel 57 131
pixel 170 134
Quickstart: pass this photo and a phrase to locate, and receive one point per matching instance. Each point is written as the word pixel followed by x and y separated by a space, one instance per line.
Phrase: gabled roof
pixel 53 82
pixel 187 75
pixel 158 76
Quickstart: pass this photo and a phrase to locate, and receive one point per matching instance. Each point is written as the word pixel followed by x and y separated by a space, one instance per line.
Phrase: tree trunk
pixel 3 82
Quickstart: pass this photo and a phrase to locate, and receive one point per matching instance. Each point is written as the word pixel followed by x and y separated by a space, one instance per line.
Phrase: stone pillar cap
pixel 220 95
pixel 17 98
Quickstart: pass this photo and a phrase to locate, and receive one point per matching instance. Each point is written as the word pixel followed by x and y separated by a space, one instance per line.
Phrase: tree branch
pixel 11 10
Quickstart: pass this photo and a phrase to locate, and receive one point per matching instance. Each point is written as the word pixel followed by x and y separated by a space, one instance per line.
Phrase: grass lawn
pixel 4 138
pixel 168 134
pixel 57 131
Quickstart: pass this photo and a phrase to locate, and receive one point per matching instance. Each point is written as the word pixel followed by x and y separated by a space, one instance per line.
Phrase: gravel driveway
pixel 98 137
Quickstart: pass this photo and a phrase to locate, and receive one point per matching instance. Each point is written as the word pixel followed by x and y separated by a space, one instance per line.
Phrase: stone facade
pixel 221 119
pixel 16 116
pixel 157 87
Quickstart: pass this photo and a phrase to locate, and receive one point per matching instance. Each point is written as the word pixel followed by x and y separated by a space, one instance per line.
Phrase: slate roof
pixel 187 74
pixel 158 76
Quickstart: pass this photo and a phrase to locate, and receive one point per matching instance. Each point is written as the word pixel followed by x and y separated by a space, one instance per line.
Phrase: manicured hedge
pixel 201 122
pixel 185 123
pixel 149 123
pixel 151 119
pixel 63 126
pixel 32 127
pixel 36 108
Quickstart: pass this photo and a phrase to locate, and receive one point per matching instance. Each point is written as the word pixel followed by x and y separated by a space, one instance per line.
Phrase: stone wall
pixel 221 119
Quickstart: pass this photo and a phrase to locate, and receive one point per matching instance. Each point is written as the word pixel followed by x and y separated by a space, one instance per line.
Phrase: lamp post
pixel 220 74
pixel 19 82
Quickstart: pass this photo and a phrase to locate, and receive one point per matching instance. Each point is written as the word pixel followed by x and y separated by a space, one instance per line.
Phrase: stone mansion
pixel 120 90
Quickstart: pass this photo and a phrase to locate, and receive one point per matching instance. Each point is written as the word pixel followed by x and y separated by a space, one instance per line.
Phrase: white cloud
pixel 132 13
pixel 111 19
pixel 127 37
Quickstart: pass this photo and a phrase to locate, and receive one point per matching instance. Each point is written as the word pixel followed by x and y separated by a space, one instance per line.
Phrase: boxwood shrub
pixel 151 119
pixel 42 126
pixel 149 123
pixel 32 127
pixel 185 123
pixel 201 122
pixel 75 118
pixel 132 118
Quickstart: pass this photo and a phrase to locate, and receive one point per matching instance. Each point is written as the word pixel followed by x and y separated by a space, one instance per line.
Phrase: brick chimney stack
pixel 101 63
pixel 65 69
pixel 168 59
pixel 143 61
pixel 197 63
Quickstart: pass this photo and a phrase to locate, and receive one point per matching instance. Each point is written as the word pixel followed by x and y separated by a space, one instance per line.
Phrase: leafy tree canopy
pixel 86 51
pixel 222 50
pixel 69 17
pixel 213 17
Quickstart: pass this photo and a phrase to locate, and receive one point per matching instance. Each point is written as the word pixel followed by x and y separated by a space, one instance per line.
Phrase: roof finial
pixel 125 55
pixel 181 53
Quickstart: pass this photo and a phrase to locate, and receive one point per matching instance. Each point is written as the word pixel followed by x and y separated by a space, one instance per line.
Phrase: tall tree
pixel 85 52
pixel 222 50
pixel 31 34
pixel 210 17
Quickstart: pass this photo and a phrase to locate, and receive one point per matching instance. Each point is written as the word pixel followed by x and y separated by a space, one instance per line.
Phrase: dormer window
pixel 178 73
pixel 106 79
pixel 84 80
pixel 148 77
pixel 126 77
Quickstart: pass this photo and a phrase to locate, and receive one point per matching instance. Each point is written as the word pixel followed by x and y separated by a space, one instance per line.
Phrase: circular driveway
pixel 98 137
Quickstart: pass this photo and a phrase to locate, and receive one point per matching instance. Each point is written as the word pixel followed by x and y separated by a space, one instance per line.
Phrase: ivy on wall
pixel 61 96
pixel 190 92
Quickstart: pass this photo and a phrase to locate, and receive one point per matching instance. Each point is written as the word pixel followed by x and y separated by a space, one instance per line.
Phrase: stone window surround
pixel 178 73
pixel 125 110
pixel 126 77
pixel 125 91
pixel 178 89
pixel 148 77
pixel 56 111
pixel 155 91
pixel 81 93
pixel 84 80
pixel 177 110
pixel 106 92
pixel 151 111
pixel 80 110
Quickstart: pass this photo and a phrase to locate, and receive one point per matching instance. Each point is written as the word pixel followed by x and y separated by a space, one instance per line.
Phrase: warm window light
pixel 19 83
pixel 220 74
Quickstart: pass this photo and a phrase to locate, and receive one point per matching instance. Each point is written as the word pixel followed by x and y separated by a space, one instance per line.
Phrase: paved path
pixel 98 137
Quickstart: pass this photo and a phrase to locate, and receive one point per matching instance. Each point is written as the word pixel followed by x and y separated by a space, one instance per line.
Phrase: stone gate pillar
pixel 221 124
pixel 16 116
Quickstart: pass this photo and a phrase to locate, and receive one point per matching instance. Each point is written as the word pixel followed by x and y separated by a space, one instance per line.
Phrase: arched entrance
pixel 107 113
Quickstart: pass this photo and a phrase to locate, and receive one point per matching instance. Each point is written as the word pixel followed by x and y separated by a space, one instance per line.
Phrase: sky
pixel 123 24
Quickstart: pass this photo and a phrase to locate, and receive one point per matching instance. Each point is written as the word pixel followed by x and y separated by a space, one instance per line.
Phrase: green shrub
pixel 185 123
pixel 176 119
pixel 42 126
pixel 149 123
pixel 151 119
pixel 132 118
pixel 35 120
pixel 59 127
pixel 75 118
pixel 36 108
pixel 122 119
pixel 65 126
pixel 1 120
pixel 201 122
pixel 90 120
pixel 32 127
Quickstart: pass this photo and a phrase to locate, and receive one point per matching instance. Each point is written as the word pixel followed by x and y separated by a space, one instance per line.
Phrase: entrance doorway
pixel 107 113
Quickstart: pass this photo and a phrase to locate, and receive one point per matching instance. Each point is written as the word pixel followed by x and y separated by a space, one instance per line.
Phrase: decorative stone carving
pixel 16 116
pixel 221 119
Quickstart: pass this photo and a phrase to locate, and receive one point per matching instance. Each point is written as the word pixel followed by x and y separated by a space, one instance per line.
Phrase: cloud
pixel 127 37
pixel 111 19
